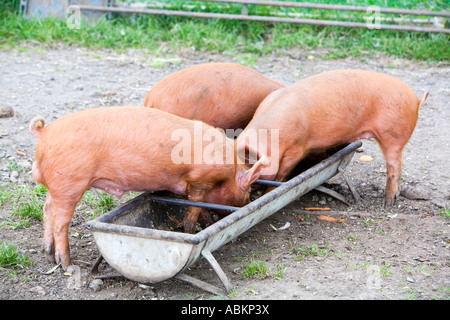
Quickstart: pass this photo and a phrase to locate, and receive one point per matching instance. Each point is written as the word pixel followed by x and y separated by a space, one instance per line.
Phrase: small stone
pixel 96 284
pixel 6 112
pixel 143 286
pixel 408 279
pixel 24 164
pixel 39 290
pixel 412 192
pixel 13 177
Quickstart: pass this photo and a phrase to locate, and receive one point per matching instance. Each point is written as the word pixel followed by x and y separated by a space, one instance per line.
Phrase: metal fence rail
pixel 308 5
pixel 245 17
pixel 94 8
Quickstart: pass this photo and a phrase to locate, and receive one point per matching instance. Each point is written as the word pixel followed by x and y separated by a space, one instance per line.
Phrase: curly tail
pixel 36 126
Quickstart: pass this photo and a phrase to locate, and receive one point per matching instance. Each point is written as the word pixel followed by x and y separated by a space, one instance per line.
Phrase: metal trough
pixel 138 239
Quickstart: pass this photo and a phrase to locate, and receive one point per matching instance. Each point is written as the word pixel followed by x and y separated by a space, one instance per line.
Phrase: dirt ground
pixel 401 253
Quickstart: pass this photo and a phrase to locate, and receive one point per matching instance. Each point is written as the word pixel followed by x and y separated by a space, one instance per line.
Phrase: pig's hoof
pixel 63 260
pixel 388 203
pixel 49 251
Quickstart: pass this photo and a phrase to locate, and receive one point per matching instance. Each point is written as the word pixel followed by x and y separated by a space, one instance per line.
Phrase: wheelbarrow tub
pixel 141 241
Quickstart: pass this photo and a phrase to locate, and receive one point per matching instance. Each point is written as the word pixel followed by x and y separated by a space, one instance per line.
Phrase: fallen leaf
pixel 287 225
pixel 52 269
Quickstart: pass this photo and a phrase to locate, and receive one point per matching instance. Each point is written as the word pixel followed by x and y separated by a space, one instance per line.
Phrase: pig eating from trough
pixel 119 149
pixel 331 109
pixel 223 95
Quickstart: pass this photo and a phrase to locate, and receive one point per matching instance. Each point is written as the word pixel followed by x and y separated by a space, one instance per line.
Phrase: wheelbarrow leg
pixel 350 185
pixel 332 193
pixel 201 284
pixel 215 265
pixel 206 286
pixel 94 270
pixel 96 273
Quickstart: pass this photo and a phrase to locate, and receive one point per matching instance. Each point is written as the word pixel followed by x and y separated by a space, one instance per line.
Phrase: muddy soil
pixel 401 253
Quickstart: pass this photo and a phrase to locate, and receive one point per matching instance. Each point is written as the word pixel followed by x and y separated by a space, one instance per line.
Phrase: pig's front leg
pixel 206 218
pixel 194 193
pixel 190 219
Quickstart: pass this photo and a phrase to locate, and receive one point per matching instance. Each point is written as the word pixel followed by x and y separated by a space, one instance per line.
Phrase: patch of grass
pixel 260 270
pixel 256 270
pixel 280 271
pixel 26 202
pixel 385 269
pixel 12 166
pixel 98 202
pixel 31 209
pixel 29 202
pixel 247 39
pixel 352 237
pixel 5 194
pixel 10 256
pixel 445 213
pixel 312 250
pixel 444 293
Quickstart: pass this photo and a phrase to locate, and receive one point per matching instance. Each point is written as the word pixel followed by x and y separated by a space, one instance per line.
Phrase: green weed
pixel 255 270
pixel 98 202
pixel 445 213
pixel 26 203
pixel 10 256
pixel 260 270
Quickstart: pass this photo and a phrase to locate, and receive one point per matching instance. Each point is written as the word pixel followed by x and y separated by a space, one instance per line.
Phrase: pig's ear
pixel 251 175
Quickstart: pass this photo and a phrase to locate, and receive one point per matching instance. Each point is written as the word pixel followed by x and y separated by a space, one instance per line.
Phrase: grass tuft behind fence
pixel 219 36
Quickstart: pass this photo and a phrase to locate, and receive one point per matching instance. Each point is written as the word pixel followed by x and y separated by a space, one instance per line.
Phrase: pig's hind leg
pixel 48 245
pixel 60 210
pixel 393 153
pixel 62 213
